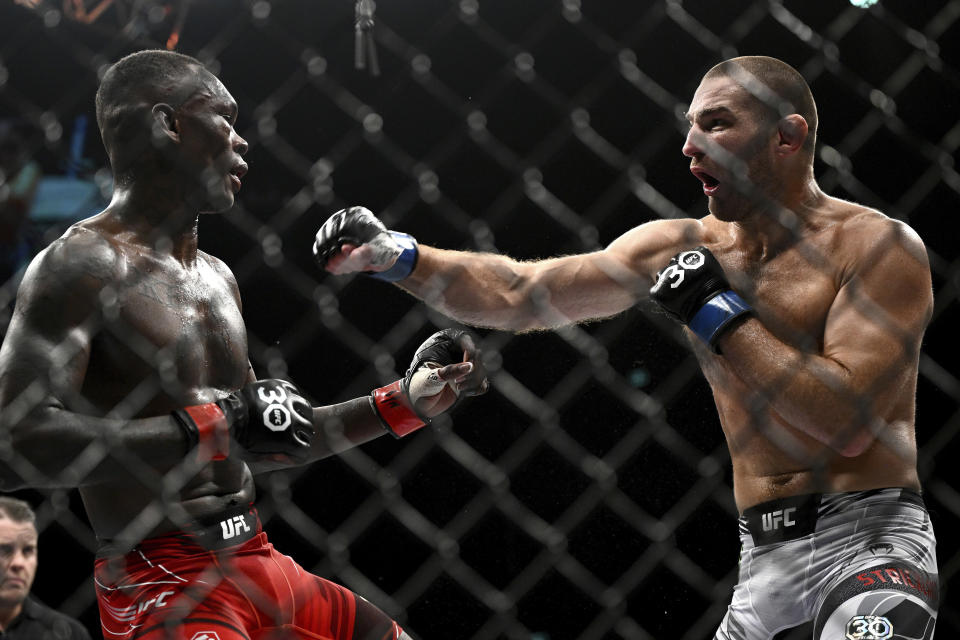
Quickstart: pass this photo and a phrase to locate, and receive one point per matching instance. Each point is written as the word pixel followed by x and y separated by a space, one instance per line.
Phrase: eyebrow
pixel 707 112
pixel 221 102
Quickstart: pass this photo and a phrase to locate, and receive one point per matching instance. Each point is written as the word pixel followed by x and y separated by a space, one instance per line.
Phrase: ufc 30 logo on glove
pixel 276 417
pixel 674 273
pixel 693 289
pixel 266 418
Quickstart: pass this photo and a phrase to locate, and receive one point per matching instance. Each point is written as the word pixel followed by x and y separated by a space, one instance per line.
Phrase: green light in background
pixel 863 4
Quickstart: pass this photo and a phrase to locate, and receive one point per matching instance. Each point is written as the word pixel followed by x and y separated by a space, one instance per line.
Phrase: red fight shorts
pixel 225 581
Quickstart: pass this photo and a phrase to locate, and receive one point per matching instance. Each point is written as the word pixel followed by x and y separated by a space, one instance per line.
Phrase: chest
pixel 791 294
pixel 185 328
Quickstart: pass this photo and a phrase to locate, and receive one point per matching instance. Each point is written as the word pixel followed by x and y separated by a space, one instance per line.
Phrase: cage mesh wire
pixel 588 495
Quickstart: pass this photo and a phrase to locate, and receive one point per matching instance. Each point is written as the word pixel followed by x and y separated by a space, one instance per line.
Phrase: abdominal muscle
pixel 125 512
pixel 773 460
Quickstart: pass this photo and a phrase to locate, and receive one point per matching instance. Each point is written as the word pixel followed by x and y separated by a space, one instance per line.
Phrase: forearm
pixel 480 289
pixel 492 290
pixel 811 392
pixel 444 368
pixel 343 426
pixel 495 291
pixel 55 448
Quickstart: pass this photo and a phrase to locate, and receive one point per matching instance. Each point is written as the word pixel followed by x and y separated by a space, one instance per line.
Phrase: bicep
pixel 47 347
pixel 607 282
pixel 41 370
pixel 876 323
pixel 585 287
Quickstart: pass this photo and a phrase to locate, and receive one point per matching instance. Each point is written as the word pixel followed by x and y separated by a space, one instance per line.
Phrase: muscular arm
pixel 499 292
pixel 52 440
pixel 864 375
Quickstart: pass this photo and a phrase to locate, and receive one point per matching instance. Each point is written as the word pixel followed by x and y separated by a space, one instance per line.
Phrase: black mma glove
pixel 396 403
pixel 358 226
pixel 693 289
pixel 266 417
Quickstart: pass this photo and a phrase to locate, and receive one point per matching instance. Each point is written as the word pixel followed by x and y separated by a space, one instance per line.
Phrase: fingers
pixel 456 373
pixel 475 383
pixel 349 259
pixel 469 377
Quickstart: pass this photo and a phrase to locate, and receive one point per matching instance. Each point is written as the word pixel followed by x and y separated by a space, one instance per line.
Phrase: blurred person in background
pixel 19 175
pixel 22 615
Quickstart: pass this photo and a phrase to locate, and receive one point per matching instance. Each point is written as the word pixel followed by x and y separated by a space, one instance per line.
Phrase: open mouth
pixel 710 184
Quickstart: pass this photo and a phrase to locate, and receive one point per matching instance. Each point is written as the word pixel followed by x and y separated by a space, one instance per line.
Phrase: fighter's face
pixel 730 144
pixel 210 151
pixel 18 560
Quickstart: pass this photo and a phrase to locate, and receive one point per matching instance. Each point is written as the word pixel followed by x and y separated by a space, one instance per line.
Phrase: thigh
pixel 374 624
pixel 197 629
pixel 183 601
pixel 885 601
pixel 889 589
pixel 340 614
pixel 329 610
pixel 770 594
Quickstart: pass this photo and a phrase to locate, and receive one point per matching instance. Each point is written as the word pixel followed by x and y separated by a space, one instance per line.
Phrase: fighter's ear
pixel 164 124
pixel 792 133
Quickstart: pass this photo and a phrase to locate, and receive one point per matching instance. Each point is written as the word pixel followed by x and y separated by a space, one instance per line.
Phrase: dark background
pixel 588 495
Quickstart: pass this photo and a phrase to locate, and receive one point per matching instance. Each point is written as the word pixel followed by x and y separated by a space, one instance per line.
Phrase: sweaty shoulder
pixel 868 236
pixel 73 268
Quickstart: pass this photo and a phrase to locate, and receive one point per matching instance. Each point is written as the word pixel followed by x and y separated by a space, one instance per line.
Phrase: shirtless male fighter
pixel 125 373
pixel 806 313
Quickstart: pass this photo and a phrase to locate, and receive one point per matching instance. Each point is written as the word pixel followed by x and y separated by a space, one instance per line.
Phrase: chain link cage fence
pixel 588 495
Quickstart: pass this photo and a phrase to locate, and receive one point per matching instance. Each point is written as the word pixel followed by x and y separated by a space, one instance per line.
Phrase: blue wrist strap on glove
pixel 714 316
pixel 405 263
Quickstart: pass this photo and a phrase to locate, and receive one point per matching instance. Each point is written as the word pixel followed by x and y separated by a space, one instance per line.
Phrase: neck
pixel 157 215
pixel 8 614
pixel 785 220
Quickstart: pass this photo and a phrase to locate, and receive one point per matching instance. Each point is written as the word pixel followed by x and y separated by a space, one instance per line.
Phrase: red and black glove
pixel 266 418
pixel 401 405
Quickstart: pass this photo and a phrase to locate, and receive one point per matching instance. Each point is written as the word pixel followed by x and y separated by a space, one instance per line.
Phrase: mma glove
pixel 693 289
pixel 394 254
pixel 266 418
pixel 397 404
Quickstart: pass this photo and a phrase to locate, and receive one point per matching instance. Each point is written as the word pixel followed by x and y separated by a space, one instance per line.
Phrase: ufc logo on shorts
pixel 771 521
pixel 232 526
pixel 205 635
pixel 869 628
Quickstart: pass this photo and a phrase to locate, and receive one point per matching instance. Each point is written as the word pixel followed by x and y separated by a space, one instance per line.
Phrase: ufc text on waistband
pixel 225 529
pixel 783 519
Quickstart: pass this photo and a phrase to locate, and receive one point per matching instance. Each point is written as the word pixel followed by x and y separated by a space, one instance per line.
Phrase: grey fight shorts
pixel 859 565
